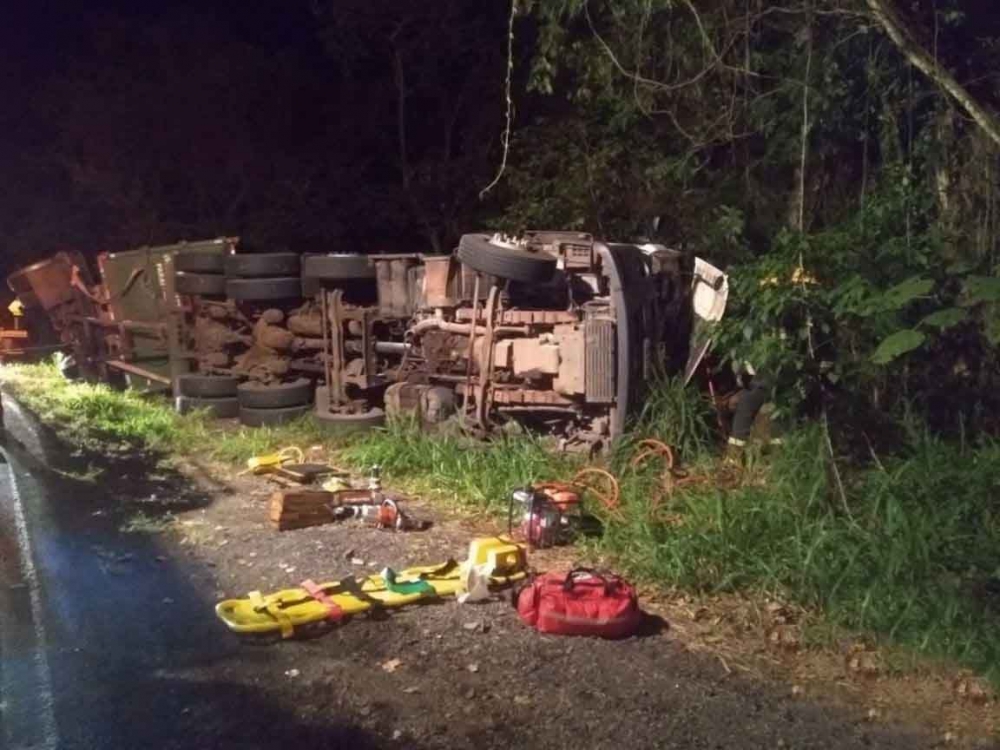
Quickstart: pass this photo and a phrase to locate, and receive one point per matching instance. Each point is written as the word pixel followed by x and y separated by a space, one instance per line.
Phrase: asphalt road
pixel 90 618
pixel 107 639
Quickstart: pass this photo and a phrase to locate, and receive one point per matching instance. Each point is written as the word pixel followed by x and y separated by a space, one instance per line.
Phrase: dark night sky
pixel 48 40
pixel 131 123
pixel 37 36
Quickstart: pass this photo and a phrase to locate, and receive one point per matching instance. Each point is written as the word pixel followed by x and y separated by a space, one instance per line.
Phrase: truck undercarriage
pixel 554 330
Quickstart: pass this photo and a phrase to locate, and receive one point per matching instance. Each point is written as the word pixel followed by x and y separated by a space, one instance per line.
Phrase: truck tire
pixel 335 267
pixel 343 424
pixel 270 417
pixel 478 253
pixel 322 398
pixel 220 408
pixel 199 284
pixel 250 290
pixel 207 386
pixel 195 261
pixel 265 264
pixel 260 396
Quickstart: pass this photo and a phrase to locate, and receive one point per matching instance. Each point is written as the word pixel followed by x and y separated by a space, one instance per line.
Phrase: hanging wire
pixel 509 101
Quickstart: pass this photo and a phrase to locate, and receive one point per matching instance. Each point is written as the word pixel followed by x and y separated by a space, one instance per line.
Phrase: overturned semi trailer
pixel 555 330
pixel 59 286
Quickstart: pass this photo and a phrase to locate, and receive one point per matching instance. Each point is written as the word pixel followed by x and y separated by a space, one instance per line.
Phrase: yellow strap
pixel 273 608
pixel 291 453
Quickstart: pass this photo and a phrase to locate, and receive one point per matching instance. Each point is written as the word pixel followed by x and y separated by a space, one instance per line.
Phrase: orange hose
pixel 671 479
pixel 608 492
pixel 610 497
pixel 654 448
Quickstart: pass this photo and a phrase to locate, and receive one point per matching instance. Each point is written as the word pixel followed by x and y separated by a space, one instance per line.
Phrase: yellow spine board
pixel 290 608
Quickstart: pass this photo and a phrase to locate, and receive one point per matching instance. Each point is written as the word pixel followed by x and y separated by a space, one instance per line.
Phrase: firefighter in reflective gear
pixel 755 396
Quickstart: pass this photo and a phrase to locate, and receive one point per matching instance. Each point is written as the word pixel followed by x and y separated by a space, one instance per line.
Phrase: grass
pixel 104 421
pixel 911 554
pixel 235 445
pixel 94 416
pixel 458 469
pixel 916 559
pixel 144 523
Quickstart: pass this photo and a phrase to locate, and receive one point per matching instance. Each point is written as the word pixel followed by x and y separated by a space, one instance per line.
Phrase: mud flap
pixel 709 295
pixel 625 267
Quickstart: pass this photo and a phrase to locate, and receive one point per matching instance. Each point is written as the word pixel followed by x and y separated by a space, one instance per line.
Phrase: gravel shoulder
pixel 718 673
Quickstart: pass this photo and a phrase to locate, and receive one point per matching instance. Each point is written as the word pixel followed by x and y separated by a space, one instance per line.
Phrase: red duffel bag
pixel 582 602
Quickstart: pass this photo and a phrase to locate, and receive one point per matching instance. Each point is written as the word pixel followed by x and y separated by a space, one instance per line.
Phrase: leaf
pixel 959 268
pixel 946 318
pixel 991 319
pixel 897 344
pixel 981 289
pixel 392 665
pixel 905 292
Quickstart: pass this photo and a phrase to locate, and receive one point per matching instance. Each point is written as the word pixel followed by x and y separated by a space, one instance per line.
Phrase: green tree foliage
pixel 851 197
pixel 422 83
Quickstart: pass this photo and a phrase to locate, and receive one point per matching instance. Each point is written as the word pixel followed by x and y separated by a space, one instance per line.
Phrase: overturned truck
pixel 555 330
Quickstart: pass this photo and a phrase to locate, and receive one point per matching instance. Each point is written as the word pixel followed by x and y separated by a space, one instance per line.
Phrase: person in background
pixel 756 393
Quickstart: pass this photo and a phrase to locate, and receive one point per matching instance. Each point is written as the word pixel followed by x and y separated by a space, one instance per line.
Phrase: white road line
pixel 46 700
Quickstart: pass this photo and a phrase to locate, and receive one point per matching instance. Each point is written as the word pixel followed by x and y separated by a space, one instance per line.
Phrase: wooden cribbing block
pixel 300 509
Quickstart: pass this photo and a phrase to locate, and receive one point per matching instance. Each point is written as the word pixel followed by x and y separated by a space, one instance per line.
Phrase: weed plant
pixel 459 469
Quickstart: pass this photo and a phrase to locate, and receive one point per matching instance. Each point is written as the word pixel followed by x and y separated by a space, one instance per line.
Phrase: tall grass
pixel 462 470
pixel 678 416
pixel 916 559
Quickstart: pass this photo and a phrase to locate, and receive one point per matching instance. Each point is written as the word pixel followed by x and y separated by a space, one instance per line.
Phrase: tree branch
pixel 904 39
pixel 655 85
pixel 399 78
pixel 804 135
pixel 507 98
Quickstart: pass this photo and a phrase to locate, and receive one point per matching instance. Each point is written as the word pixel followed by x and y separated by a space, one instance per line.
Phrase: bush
pixel 917 558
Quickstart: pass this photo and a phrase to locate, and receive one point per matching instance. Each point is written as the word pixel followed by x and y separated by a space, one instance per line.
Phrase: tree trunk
pixel 797 214
pixel 896 28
